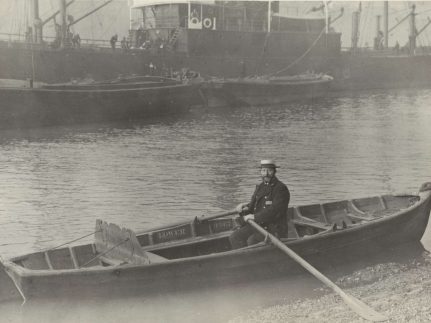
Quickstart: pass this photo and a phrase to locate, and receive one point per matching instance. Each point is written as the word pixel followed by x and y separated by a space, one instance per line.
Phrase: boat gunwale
pixel 271 83
pixel 134 89
pixel 9 264
pixel 177 224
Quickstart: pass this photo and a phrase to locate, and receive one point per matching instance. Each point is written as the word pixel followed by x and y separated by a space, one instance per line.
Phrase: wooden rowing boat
pixel 198 253
pixel 127 100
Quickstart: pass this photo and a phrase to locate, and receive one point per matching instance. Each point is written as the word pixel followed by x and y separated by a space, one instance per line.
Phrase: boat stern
pixel 425 194
pixel 425 187
pixel 8 290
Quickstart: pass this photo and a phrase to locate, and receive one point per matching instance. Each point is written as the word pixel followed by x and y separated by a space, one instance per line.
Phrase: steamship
pixel 217 39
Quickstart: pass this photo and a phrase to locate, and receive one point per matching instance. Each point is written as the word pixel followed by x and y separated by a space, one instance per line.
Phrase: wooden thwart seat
pixel 291 230
pixel 313 224
pixel 358 217
pixel 152 257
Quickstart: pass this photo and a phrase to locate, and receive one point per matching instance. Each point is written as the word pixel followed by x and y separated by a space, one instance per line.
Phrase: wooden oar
pixel 355 304
pixel 197 218
pixel 216 216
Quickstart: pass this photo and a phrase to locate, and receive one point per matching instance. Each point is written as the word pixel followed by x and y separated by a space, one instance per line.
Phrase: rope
pixel 302 56
pixel 66 243
pixel 264 48
pixel 104 253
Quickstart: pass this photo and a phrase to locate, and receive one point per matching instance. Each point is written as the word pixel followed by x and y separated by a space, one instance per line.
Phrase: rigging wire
pixel 109 28
pixel 300 57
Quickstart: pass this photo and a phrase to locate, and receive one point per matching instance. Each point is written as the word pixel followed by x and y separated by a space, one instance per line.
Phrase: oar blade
pixel 356 305
pixel 363 309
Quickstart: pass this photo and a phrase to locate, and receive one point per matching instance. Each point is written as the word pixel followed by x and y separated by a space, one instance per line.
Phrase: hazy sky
pixel 114 18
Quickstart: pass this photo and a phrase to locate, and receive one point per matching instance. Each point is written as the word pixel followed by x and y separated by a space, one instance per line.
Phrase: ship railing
pixel 369 51
pixel 12 37
pixel 14 40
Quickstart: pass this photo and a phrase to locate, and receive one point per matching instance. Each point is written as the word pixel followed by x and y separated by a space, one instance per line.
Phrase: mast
pixel 412 34
pixel 269 16
pixel 386 23
pixel 356 16
pixel 63 24
pixel 130 17
pixel 378 38
pixel 37 23
pixel 55 14
pixel 326 16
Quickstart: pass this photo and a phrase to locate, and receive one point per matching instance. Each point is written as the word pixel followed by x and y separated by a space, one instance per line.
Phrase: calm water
pixel 55 182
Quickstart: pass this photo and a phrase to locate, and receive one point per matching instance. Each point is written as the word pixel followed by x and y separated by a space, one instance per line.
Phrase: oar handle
pixel 216 216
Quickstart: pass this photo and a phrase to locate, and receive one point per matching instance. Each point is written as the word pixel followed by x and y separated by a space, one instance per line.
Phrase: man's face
pixel 267 173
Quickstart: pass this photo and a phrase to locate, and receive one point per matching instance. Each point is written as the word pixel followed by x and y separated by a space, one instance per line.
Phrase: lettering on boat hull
pixel 177 233
pixel 221 225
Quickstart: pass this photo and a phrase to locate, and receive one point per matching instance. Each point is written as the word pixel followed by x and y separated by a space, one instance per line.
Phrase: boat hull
pixel 255 262
pixel 258 93
pixel 34 107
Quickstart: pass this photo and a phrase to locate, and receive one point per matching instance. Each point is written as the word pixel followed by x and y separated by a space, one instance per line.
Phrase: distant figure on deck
pixel 113 41
pixel 243 68
pixel 397 47
pixel 29 35
pixel 76 41
pixel 152 68
pixel 268 207
pixel 146 45
pixel 124 44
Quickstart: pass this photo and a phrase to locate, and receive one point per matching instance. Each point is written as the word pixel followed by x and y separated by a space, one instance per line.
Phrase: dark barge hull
pixel 34 107
pixel 231 266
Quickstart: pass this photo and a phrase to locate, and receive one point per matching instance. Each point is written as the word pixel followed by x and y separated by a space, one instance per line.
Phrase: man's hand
pixel 248 216
pixel 241 208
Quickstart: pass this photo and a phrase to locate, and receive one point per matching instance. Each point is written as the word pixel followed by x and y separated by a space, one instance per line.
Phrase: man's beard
pixel 266 179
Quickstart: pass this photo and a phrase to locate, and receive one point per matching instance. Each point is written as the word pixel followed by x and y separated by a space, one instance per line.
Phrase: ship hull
pixel 350 72
pixel 372 71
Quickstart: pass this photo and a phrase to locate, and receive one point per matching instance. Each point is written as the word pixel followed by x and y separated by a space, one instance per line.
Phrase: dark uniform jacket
pixel 269 205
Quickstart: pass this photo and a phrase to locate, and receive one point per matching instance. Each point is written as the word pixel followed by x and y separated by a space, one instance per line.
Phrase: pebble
pixel 401 292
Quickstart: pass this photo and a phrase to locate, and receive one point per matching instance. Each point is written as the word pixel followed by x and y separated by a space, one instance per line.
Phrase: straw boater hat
pixel 268 163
